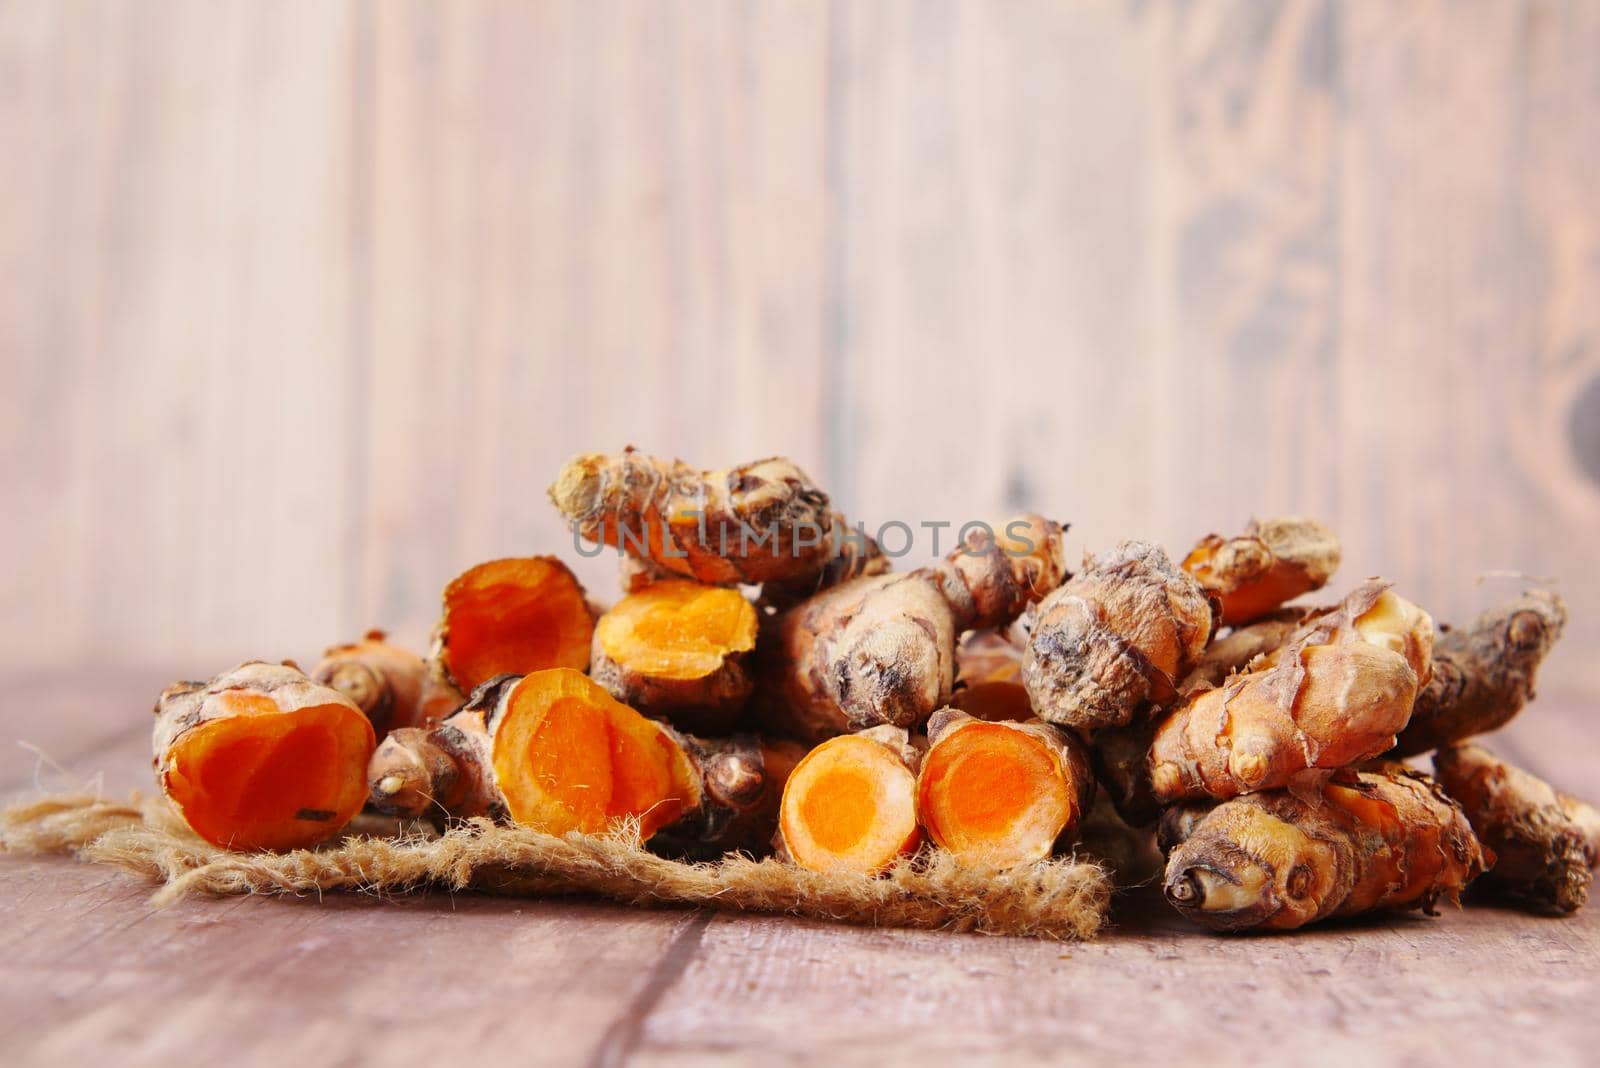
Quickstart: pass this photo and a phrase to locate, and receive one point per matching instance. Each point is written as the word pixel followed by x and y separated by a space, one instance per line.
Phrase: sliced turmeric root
pixel 678 650
pixel 556 752
pixel 261 757
pixel 512 616
pixel 570 757
pixel 850 804
pixel 1001 794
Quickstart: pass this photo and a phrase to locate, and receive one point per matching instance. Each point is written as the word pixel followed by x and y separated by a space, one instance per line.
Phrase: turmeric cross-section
pixel 515 615
pixel 850 806
pixel 1001 794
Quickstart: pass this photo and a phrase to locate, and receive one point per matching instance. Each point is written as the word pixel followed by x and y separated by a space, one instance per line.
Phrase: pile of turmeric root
pixel 767 682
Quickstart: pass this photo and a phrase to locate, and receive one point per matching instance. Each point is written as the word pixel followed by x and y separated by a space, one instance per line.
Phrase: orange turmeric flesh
pixel 849 805
pixel 569 757
pixel 994 795
pixel 513 616
pixel 677 629
pixel 262 778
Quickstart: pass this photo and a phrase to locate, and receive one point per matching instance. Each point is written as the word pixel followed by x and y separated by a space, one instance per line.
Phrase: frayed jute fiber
pixel 1063 899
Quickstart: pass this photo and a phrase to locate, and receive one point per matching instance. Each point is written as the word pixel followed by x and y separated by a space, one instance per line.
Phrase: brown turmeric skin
pixel 1586 818
pixel 445 771
pixel 881 650
pixel 1234 651
pixel 1001 794
pixel 1115 638
pixel 1272 861
pixel 679 651
pixel 512 616
pixel 742 778
pixel 758 522
pixel 857 555
pixel 850 804
pixel 393 686
pixel 1335 694
pixel 1542 860
pixel 1484 674
pixel 261 757
pixel 1274 561
pixel 555 752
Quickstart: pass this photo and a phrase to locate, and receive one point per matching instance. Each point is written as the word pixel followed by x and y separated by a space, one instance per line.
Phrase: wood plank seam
pixel 622 1037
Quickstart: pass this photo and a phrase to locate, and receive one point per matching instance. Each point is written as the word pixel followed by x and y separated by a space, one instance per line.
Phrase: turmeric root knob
pixel 1482 675
pixel 678 650
pixel 1274 561
pixel 994 574
pixel 512 616
pixel 1115 636
pixel 261 757
pixel 1275 861
pixel 857 555
pixel 1234 652
pixel 1541 855
pixel 391 685
pixel 1001 794
pixel 850 804
pixel 1333 695
pixel 748 524
pixel 1586 820
pixel 881 650
pixel 742 781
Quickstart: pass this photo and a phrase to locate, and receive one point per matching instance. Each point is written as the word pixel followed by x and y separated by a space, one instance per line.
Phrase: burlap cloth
pixel 1064 898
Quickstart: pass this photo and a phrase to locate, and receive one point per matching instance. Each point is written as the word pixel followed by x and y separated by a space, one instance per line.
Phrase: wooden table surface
pixel 89 972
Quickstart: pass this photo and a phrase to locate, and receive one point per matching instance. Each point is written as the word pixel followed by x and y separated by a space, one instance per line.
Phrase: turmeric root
pixel 749 524
pixel 1484 674
pixel 261 757
pixel 445 771
pixel 1335 694
pixel 1586 818
pixel 391 685
pixel 744 777
pixel 512 616
pixel 1113 638
pixel 1274 561
pixel 1234 652
pixel 1541 859
pixel 857 555
pixel 988 683
pixel 1001 794
pixel 554 751
pixel 881 649
pixel 677 650
pixel 1274 861
pixel 850 803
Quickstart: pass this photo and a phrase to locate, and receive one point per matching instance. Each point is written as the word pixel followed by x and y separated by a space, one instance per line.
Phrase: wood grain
pixel 91 973
pixel 305 304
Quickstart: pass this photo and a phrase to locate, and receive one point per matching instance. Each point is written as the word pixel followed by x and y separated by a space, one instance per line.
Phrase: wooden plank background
pixel 302 304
